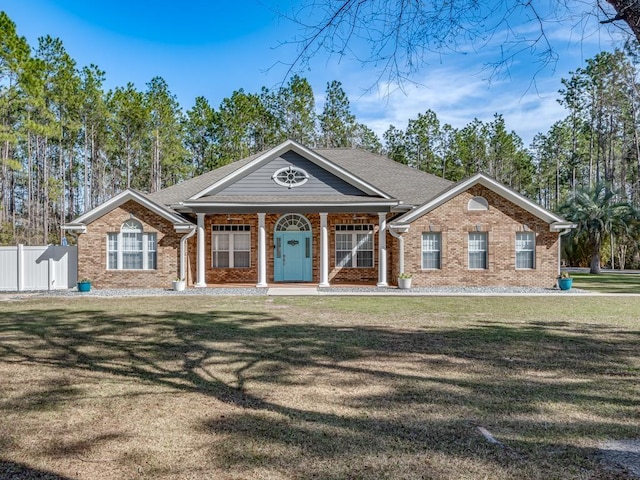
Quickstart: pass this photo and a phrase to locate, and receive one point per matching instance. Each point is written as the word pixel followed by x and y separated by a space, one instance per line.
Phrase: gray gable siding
pixel 321 182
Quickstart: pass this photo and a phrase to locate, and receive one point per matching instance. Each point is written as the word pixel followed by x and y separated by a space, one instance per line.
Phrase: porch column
pixel 201 241
pixel 382 250
pixel 262 252
pixel 324 251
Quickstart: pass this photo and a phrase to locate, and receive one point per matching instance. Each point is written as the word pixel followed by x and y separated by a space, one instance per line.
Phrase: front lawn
pixel 316 387
pixel 608 282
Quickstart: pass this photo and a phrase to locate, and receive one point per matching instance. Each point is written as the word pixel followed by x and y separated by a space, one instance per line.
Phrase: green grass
pixel 608 282
pixel 316 387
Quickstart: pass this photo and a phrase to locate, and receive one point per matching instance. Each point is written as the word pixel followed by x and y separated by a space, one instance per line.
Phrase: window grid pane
pixel 525 250
pixel 431 251
pixel 478 250
pixel 134 248
pixel 221 250
pixel 354 246
pixel 152 258
pixel 241 250
pixel 113 251
pixel 231 249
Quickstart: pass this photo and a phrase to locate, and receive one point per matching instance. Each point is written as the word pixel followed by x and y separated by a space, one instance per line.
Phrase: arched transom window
pixel 131 248
pixel 478 203
pixel 293 222
pixel 290 177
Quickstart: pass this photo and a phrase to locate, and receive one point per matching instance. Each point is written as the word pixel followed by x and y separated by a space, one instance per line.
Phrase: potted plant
pixel 84 285
pixel 565 281
pixel 404 280
pixel 179 284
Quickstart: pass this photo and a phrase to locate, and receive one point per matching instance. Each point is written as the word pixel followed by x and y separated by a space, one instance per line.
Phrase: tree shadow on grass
pixel 18 471
pixel 487 372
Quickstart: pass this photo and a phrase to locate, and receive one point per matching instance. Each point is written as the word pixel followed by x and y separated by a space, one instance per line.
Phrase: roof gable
pixel 347 178
pixel 319 181
pixel 491 184
pixel 86 218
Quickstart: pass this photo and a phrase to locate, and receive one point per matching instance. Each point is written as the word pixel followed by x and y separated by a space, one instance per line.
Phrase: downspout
pixel 562 233
pixel 396 231
pixel 183 252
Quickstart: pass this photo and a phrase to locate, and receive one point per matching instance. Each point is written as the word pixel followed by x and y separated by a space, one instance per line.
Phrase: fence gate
pixel 52 267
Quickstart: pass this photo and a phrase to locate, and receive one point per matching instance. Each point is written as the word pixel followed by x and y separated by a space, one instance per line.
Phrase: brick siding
pixel 92 250
pixel 501 222
pixel 250 275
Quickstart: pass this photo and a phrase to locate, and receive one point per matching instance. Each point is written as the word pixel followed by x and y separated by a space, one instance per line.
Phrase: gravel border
pixel 252 291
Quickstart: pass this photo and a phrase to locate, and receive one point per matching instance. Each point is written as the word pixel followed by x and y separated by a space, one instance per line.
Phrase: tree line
pixel 67 144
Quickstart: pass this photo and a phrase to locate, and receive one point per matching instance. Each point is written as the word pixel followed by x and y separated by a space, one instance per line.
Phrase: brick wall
pixel 250 275
pixel 501 222
pixel 92 250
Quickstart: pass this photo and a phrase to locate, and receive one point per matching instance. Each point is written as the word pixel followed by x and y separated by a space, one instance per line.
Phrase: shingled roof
pixel 410 186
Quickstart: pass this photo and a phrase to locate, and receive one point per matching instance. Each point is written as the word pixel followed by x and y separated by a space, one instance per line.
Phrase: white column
pixel 324 251
pixel 262 251
pixel 201 256
pixel 382 250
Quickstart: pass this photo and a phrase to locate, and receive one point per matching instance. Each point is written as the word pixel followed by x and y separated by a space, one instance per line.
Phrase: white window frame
pixel 356 246
pixel 477 204
pixel 427 247
pixel 232 232
pixel 530 237
pixel 149 247
pixel 290 177
pixel 473 242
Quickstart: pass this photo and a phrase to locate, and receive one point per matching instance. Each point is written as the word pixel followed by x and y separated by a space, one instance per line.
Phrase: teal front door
pixel 292 258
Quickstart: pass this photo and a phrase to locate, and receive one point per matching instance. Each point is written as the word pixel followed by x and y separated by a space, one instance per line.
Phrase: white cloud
pixel 458 96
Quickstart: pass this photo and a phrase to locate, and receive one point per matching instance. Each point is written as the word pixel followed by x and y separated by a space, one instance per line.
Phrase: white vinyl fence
pixel 38 268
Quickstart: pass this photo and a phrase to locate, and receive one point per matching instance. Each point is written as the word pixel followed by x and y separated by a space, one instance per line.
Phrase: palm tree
pixel 598 213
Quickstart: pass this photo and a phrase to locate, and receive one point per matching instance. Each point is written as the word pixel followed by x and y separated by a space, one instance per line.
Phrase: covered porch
pixel 291 244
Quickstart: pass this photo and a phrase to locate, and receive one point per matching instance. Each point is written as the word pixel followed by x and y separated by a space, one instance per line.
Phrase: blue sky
pixel 211 48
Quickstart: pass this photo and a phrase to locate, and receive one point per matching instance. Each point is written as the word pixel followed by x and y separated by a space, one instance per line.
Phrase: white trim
pixel 437 235
pixel 353 231
pixel 285 204
pixel 79 224
pixel 232 235
pixel 301 150
pixel 288 184
pixel 120 250
pixel 533 250
pixel 562 226
pixel 491 184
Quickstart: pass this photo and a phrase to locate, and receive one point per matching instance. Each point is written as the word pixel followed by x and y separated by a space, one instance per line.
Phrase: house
pixel 322 216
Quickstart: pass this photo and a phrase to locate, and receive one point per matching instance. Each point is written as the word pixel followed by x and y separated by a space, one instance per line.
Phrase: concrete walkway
pixel 291 291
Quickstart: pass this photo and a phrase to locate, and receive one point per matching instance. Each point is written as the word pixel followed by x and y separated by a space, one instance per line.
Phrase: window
pixel 132 248
pixel 431 251
pixel 478 250
pixel 231 246
pixel 525 249
pixel 354 246
pixel 290 177
pixel 478 203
